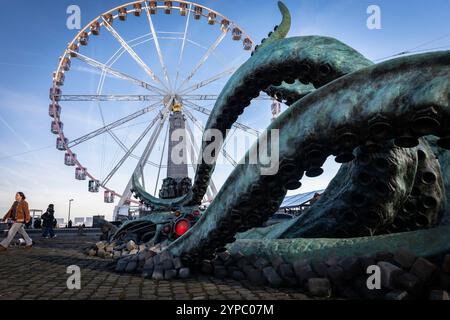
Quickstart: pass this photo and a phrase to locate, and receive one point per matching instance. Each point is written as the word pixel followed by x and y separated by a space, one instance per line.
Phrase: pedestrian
pixel 18 215
pixel 48 218
pixel 69 225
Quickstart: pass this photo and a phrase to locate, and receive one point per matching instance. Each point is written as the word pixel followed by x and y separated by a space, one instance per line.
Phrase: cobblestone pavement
pixel 40 273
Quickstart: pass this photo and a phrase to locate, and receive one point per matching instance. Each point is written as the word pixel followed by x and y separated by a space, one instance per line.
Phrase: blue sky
pixel 37 36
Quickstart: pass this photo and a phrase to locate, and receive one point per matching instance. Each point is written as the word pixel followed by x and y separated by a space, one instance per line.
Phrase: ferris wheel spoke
pixel 208 81
pixel 133 53
pixel 158 48
pixel 130 151
pixel 112 125
pixel 203 60
pixel 106 69
pixel 126 195
pixel 207 112
pixel 111 97
pixel 131 98
pixel 183 44
pixel 160 162
pixel 125 149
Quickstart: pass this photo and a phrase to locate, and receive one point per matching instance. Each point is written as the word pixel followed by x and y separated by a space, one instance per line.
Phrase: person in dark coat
pixel 48 219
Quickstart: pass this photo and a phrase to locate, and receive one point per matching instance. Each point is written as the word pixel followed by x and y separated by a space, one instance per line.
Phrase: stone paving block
pixel 286 271
pixel 404 258
pixel 303 271
pixel 389 273
pixel 184 273
pixel 272 277
pixel 409 282
pixel 351 266
pixel 206 267
pixel 131 266
pixel 167 264
pixel 170 274
pixel 177 263
pixel 336 274
pixel 319 287
pixel 260 263
pixel 423 269
pixel 121 265
pixel 367 261
pixel 224 256
pixel 158 273
pixel 220 272
pixel 320 268
pixel 276 262
pixel 238 275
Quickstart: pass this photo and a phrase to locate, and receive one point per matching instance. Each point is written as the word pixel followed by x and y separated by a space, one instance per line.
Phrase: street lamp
pixel 70 202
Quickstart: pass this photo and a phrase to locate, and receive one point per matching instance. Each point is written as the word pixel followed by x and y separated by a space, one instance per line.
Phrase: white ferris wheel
pixel 130 68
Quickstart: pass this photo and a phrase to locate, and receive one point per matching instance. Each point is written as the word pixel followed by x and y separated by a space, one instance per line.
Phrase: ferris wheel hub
pixel 173 102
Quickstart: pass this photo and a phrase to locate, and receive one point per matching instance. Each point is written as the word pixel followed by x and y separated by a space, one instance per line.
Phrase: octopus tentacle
pixel 280 31
pixel 397 92
pixel 289 93
pixel 316 60
pixel 376 194
pixel 150 200
pixel 424 243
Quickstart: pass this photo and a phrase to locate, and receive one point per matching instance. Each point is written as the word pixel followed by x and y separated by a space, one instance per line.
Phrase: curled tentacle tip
pixel 282 6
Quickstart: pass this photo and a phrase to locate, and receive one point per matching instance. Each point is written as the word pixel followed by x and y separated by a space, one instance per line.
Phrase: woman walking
pixel 19 214
pixel 48 219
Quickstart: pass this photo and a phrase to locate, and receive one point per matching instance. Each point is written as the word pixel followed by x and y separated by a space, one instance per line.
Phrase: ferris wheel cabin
pixel 61 144
pixel 95 28
pixel 237 34
pixel 84 38
pixel 224 24
pixel 74 50
pixel 55 125
pixel 212 18
pixel 55 94
pixel 153 6
pixel 108 18
pixel 94 186
pixel 59 78
pixel 137 9
pixel 198 13
pixel 54 110
pixel 167 7
pixel 66 63
pixel 183 9
pixel 247 44
pixel 108 197
pixel 80 173
pixel 70 159
pixel 123 14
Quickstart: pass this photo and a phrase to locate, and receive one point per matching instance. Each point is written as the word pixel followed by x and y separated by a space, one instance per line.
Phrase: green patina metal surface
pixel 337 98
pixel 423 243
